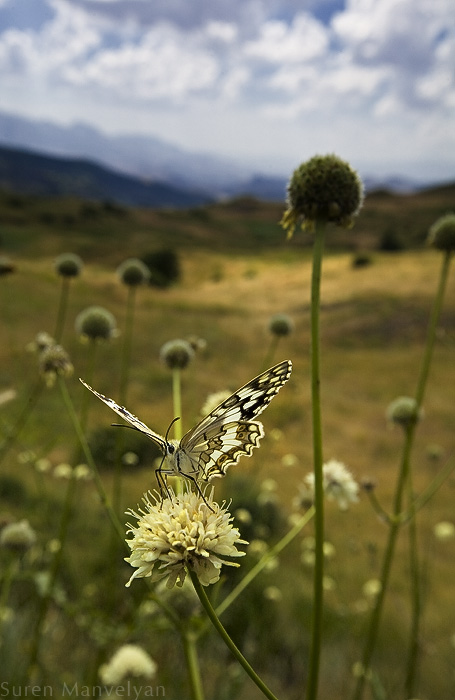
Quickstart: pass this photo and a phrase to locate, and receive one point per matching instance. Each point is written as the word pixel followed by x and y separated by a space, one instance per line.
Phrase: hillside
pixel 31 226
pixel 31 173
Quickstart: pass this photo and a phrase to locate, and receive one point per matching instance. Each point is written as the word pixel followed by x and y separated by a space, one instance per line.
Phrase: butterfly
pixel 220 438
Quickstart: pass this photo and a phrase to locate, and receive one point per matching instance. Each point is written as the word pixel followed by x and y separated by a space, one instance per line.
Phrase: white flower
pixel 180 532
pixel 339 484
pixel 129 660
pixel 18 536
pixel 213 400
pixel 444 530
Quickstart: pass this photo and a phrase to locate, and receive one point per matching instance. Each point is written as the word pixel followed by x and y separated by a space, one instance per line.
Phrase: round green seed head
pixel 6 266
pixel 68 265
pixel 324 188
pixel 442 233
pixel 54 362
pixel 281 325
pixel 176 354
pixel 133 272
pixel 96 323
pixel 403 411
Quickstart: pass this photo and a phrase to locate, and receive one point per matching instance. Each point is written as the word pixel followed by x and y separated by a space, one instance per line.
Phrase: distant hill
pixel 32 173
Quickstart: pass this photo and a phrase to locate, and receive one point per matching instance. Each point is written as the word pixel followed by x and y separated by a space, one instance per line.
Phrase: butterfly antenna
pixel 122 425
pixel 170 426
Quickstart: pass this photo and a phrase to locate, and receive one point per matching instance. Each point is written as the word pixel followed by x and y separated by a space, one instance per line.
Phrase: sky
pixel 267 83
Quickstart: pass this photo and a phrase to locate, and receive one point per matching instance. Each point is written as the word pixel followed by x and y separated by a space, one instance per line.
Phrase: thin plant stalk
pixel 90 461
pixel 414 643
pixel 396 519
pixel 316 620
pixel 270 354
pixel 62 308
pixel 53 574
pixel 10 439
pixel 205 602
pixel 268 556
pixel 192 663
pixel 124 375
pixel 8 578
pixel 177 408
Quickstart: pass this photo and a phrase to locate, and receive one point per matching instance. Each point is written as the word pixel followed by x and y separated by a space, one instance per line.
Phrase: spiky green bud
pixel 324 188
pixel 133 272
pixel 442 233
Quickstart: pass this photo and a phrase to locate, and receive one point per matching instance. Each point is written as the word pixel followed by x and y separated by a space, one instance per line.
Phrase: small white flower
pixel 213 400
pixel 444 530
pixel 18 536
pixel 129 660
pixel 180 532
pixel 339 484
pixel 82 472
pixel 63 471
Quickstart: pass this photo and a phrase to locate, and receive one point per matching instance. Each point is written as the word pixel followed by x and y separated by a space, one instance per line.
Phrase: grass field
pixel 373 324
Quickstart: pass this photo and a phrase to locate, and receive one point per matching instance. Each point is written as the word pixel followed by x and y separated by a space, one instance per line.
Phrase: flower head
pixel 18 537
pixel 129 660
pixel 325 188
pixel 55 362
pixel 442 233
pixel 281 325
pixel 133 272
pixel 68 265
pixel 6 266
pixel 42 341
pixel 214 400
pixel 339 484
pixel 96 323
pixel 403 411
pixel 176 354
pixel 180 532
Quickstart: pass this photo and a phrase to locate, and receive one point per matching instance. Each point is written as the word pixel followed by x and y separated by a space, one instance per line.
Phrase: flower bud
pixel 442 233
pixel 18 537
pixel 281 325
pixel 325 188
pixel 6 266
pixel 68 265
pixel 133 272
pixel 96 323
pixel 54 362
pixel 403 411
pixel 176 354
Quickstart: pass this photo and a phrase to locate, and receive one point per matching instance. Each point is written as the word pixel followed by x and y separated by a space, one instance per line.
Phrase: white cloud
pixel 281 43
pixel 160 65
pixel 375 65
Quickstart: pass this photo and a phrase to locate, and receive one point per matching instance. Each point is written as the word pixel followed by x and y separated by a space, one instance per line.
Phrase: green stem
pixel 8 578
pixel 192 664
pixel 395 524
pixel 124 371
pixel 316 621
pixel 177 402
pixel 416 598
pixel 90 461
pixel 21 419
pixel 226 638
pixel 177 407
pixel 397 519
pixel 268 360
pixel 429 492
pixel 268 556
pixel 62 308
pixel 53 574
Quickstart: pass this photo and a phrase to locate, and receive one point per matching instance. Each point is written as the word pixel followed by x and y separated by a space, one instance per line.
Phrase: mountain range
pixel 41 157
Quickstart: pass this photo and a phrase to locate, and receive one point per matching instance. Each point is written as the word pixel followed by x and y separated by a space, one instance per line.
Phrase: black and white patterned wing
pixel 230 431
pixel 129 417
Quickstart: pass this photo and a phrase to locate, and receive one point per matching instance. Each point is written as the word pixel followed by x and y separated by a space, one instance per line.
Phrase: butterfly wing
pixel 129 417
pixel 229 431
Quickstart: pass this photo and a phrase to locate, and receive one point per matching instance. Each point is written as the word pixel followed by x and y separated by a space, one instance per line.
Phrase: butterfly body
pixel 220 438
